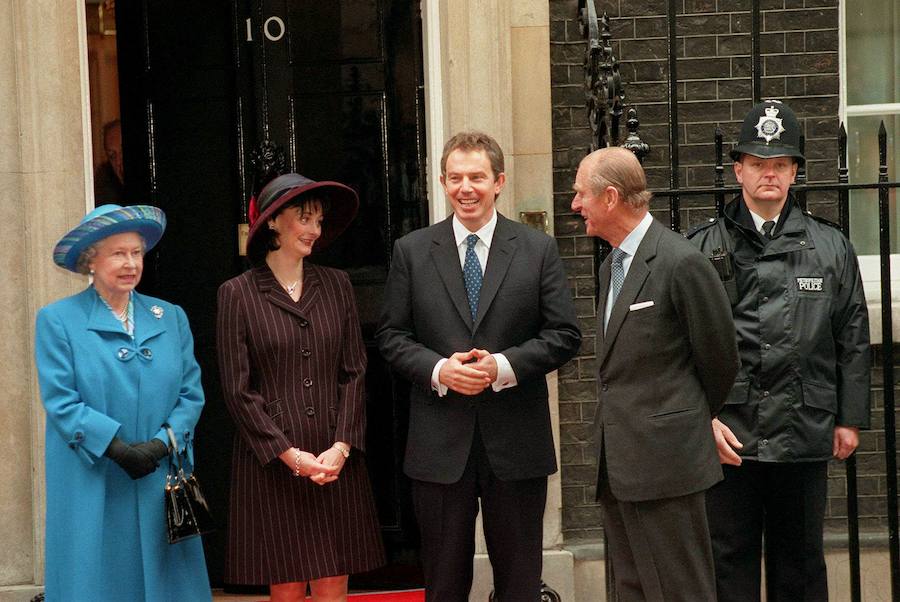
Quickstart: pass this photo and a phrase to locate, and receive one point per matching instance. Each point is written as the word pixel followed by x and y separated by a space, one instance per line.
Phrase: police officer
pixel 802 393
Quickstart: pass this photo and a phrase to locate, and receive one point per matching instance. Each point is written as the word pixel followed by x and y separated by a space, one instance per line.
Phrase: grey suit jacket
pixel 663 371
pixel 525 312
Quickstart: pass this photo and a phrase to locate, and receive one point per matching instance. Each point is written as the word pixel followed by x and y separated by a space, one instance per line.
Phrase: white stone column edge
pixel 85 108
pixel 435 119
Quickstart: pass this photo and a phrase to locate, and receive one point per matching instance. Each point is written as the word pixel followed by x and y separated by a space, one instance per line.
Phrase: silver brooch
pixel 769 126
pixel 157 311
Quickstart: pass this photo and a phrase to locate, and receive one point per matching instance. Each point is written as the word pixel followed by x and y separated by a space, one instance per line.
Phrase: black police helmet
pixel 769 130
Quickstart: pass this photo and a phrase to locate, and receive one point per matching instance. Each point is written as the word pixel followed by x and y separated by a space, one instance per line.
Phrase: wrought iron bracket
pixel 633 142
pixel 268 163
pixel 604 91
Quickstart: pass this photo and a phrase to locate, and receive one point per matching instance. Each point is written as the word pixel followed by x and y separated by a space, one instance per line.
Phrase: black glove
pixel 156 448
pixel 136 462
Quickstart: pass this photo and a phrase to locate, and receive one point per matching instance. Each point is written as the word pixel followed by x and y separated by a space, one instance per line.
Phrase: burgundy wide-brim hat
pixel 343 205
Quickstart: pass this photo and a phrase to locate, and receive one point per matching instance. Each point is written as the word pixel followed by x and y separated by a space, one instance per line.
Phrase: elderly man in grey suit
pixel 477 311
pixel 666 359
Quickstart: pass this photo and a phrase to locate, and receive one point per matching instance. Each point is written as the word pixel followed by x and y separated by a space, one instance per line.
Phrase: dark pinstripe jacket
pixel 293 374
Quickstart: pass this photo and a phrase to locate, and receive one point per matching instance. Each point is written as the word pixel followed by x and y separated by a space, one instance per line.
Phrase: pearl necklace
pixel 126 316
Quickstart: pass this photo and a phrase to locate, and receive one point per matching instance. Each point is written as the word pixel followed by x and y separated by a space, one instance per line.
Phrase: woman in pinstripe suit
pixel 293 370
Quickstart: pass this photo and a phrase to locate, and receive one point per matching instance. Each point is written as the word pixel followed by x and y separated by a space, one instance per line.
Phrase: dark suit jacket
pixel 663 371
pixel 525 312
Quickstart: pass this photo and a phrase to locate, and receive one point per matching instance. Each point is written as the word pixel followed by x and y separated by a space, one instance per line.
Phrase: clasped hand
pixel 321 469
pixel 137 459
pixel 469 372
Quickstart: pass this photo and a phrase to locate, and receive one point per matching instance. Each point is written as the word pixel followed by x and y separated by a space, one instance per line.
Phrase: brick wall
pixel 799 47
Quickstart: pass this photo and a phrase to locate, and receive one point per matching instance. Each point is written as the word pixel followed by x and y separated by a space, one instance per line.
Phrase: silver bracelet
pixel 297 458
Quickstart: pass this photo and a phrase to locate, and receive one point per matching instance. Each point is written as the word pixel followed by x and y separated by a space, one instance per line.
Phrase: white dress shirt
pixel 759 221
pixel 505 376
pixel 629 246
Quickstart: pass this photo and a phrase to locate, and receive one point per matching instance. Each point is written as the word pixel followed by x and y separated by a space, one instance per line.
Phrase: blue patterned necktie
pixel 472 275
pixel 617 273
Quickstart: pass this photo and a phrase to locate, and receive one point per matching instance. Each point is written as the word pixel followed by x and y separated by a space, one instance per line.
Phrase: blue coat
pixel 106 536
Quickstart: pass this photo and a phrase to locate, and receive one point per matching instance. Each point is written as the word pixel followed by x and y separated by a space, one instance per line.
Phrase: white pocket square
pixel 641 305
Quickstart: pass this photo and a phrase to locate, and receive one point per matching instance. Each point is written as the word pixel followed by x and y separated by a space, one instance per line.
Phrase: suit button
pixel 307 382
pixel 767 346
pixel 310 411
pixel 305 352
pixel 604 387
pixel 79 436
pixel 303 323
pixel 764 442
pixel 765 393
pixel 765 299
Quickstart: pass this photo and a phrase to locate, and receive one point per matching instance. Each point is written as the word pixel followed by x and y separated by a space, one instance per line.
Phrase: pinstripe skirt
pixel 283 529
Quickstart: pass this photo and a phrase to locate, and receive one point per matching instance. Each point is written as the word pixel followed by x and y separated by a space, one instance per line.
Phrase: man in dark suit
pixel 666 360
pixel 477 311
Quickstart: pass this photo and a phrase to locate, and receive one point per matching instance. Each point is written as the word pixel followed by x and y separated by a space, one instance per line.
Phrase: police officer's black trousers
pixel 783 505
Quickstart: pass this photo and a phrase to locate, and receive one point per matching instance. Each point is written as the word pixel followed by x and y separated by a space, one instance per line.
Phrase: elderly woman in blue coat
pixel 115 366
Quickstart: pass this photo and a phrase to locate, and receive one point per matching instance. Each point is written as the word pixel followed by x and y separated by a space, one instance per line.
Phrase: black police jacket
pixel 802 333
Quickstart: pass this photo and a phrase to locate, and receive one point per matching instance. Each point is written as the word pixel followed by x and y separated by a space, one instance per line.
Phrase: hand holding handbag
pixel 187 513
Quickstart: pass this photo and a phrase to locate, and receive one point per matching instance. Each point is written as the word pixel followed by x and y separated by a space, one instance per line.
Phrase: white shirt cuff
pixel 435 378
pixel 506 378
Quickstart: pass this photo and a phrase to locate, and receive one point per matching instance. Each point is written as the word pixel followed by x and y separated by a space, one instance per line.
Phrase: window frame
pixel 870 265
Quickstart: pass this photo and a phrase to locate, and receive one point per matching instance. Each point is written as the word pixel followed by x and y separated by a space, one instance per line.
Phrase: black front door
pixel 219 97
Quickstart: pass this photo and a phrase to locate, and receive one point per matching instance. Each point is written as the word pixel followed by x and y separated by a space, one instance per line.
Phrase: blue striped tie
pixel 472 274
pixel 617 272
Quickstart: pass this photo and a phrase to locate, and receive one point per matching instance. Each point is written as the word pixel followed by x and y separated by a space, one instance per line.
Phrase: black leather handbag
pixel 187 513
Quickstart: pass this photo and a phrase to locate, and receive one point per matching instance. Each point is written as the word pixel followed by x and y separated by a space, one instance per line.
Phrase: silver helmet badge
pixel 769 126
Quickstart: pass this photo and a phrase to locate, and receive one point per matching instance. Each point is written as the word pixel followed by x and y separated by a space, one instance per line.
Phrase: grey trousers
pixel 660 549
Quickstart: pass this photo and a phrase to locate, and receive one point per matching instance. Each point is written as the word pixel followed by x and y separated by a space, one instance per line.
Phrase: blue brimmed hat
pixel 104 221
